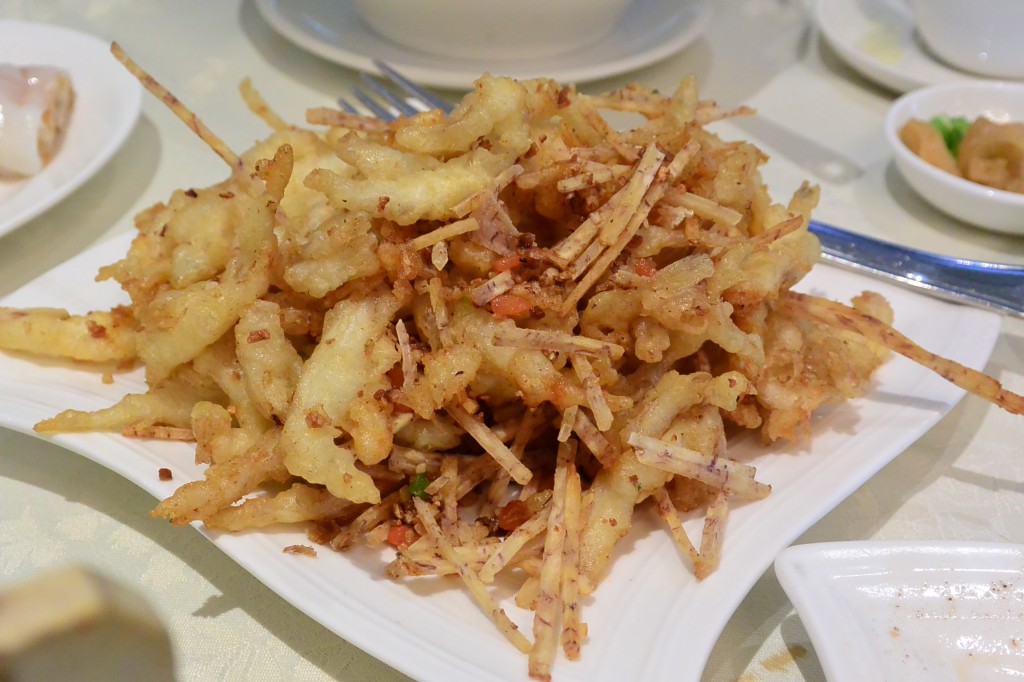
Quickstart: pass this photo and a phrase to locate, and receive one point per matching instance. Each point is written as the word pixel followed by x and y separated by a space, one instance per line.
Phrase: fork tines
pixel 385 102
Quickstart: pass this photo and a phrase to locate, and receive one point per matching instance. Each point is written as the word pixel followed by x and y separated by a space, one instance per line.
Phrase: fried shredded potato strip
pixel 482 339
pixel 95 337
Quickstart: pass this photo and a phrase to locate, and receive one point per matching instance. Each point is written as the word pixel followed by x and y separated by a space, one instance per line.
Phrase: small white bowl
pixel 973 203
pixel 493 29
pixel 980 36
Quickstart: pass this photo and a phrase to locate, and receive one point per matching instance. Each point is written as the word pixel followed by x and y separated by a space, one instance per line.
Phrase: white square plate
pixel 650 619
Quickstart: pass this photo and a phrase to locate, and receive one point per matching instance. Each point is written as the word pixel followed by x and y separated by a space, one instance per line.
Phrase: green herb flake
pixel 418 487
pixel 952 131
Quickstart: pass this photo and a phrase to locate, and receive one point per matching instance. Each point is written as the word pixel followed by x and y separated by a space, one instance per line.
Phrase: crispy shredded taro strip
pixel 180 110
pixel 844 317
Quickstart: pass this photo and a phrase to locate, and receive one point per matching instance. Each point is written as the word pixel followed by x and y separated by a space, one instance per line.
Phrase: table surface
pixel 963 480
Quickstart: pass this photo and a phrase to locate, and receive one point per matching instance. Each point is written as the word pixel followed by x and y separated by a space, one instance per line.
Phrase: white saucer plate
pixel 910 611
pixel 107 104
pixel 650 30
pixel 878 39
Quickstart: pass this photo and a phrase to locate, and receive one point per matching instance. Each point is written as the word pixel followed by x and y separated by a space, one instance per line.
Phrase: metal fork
pixel 387 104
pixel 994 286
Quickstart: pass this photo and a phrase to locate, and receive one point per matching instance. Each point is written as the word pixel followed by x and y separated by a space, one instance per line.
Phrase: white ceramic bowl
pixel 968 201
pixel 492 29
pixel 980 36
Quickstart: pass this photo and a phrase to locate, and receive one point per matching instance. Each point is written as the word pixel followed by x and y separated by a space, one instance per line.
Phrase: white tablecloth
pixel 964 480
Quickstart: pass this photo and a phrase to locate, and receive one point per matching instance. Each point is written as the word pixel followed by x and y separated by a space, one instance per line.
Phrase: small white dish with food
pixel 107 101
pixel 997 157
pixel 910 611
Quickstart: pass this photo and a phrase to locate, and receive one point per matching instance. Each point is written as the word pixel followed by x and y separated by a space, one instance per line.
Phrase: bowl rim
pixel 899 113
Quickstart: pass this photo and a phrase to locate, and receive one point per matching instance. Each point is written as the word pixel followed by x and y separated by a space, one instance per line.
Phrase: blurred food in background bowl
pixel 73 624
pixel 1003 154
pixel 980 36
pixel 493 29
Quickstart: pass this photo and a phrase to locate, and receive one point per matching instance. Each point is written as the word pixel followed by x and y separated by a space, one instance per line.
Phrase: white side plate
pixel 650 619
pixel 915 612
pixel 878 39
pixel 107 105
